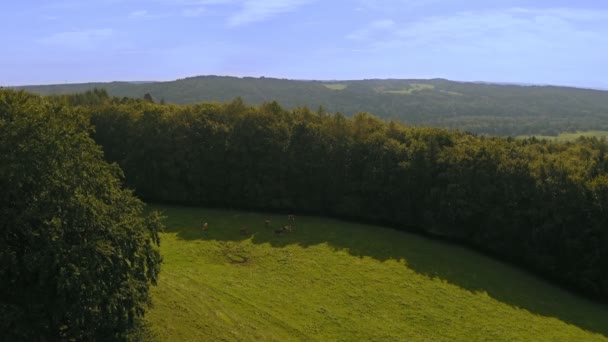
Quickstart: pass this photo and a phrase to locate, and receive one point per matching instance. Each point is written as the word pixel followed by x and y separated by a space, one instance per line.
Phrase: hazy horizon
pixel 310 80
pixel 505 41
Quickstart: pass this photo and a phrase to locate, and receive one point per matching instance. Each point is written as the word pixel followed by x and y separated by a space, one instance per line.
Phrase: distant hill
pixel 485 108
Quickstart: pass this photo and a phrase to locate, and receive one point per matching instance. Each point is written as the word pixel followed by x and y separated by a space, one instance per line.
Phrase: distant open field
pixel 335 86
pixel 411 89
pixel 568 136
pixel 331 280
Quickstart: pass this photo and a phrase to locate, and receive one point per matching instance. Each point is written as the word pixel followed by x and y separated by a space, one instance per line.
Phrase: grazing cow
pixel 244 230
pixel 205 226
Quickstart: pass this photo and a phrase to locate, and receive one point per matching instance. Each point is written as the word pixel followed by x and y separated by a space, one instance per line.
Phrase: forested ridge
pixel 539 204
pixel 483 108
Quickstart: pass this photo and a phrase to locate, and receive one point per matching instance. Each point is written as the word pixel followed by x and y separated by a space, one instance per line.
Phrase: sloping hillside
pixel 330 280
pixel 477 107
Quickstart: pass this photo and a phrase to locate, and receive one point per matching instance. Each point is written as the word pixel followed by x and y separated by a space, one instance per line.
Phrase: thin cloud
pixel 255 11
pixel 197 2
pixel 194 12
pixel 78 39
pixel 511 29
pixel 392 5
pixel 542 44
pixel 382 24
pixel 372 29
pixel 494 30
pixel 238 12
pixel 141 14
pixel 146 15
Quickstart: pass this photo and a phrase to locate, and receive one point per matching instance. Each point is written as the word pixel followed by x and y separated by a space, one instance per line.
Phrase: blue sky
pixel 546 42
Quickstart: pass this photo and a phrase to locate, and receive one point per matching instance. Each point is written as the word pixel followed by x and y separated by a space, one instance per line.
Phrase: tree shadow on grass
pixel 452 263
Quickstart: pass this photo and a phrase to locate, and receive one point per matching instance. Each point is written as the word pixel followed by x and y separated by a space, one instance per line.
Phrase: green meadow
pixel 335 86
pixel 414 87
pixel 331 280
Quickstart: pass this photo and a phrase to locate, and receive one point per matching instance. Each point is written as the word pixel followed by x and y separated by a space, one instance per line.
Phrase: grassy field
pixel 335 86
pixel 562 137
pixel 331 280
pixel 413 88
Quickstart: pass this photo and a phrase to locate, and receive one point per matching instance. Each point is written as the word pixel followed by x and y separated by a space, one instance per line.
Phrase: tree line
pixel 537 203
pixel 490 109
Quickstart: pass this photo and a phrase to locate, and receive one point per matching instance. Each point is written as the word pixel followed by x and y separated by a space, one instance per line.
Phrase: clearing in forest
pixel 331 280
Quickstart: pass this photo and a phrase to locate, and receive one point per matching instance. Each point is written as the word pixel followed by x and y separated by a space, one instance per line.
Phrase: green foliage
pixel 332 280
pixel 77 253
pixel 537 203
pixel 540 204
pixel 564 137
pixel 489 109
pixel 148 98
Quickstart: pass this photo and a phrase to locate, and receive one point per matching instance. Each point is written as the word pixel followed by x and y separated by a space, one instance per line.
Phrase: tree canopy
pixel 77 252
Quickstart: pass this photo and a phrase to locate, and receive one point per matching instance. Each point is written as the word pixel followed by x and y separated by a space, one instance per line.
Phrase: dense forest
pixel 537 203
pixel 482 108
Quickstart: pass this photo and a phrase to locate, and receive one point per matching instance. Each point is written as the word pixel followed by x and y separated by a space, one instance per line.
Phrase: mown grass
pixel 331 280
pixel 563 137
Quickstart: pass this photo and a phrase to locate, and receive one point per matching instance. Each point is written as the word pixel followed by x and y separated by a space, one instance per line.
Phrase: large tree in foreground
pixel 77 253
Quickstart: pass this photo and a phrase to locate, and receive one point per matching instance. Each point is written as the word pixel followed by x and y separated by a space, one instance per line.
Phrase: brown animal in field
pixel 284 229
pixel 267 223
pixel 244 230
pixel 205 226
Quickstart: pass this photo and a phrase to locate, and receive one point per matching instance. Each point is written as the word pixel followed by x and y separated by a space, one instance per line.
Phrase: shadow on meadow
pixel 454 264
